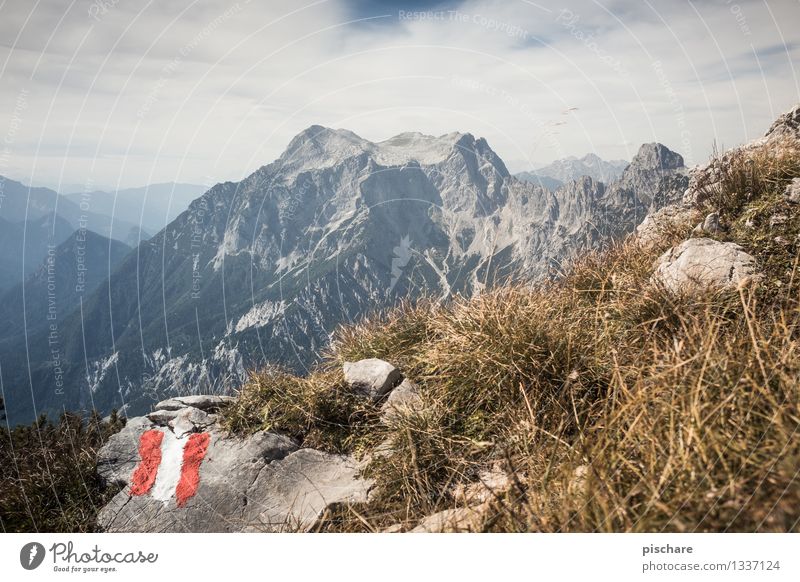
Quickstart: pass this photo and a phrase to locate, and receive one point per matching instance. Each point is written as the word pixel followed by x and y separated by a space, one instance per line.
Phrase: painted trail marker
pixel 169 466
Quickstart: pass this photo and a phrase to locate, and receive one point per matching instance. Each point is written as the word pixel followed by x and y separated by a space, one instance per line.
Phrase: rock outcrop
pixel 792 191
pixel 787 125
pixel 290 494
pixel 372 378
pixel 456 520
pixel 181 472
pixel 700 264
pixel 402 400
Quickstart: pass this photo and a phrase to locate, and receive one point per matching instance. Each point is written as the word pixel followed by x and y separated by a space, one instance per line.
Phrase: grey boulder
pixel 658 225
pixel 456 520
pixel 699 264
pixel 117 459
pixel 259 482
pixel 190 420
pixel 372 378
pixel 792 191
pixel 710 224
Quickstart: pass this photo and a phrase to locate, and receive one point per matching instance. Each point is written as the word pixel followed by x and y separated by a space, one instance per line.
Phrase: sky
pixel 122 93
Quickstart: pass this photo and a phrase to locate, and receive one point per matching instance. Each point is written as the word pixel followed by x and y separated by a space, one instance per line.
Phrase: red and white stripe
pixel 169 466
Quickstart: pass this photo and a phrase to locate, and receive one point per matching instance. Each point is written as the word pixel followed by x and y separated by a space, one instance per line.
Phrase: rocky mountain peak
pixel 655 156
pixel 319 147
pixel 427 150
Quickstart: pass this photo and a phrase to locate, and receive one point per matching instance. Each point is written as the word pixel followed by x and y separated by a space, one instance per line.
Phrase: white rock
pixel 702 263
pixel 290 494
pixel 224 495
pixel 372 377
pixel 659 224
pixel 490 484
pixel 190 420
pixel 777 220
pixel 711 223
pixel 162 417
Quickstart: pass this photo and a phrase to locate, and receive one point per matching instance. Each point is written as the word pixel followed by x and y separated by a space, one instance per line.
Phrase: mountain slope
pixel 338 227
pixel 654 388
pixel 23 245
pixel 69 272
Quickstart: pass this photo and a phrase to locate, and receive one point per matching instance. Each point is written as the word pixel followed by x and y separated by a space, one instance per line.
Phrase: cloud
pixel 129 92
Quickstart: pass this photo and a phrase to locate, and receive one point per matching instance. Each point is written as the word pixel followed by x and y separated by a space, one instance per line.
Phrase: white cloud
pixel 157 91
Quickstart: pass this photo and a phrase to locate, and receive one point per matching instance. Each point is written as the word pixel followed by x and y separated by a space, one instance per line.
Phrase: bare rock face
pixel 490 484
pixel 290 494
pixel 190 420
pixel 372 377
pixel 787 125
pixel 711 224
pixel 119 457
pixel 181 473
pixel 224 476
pixel 699 264
pixel 706 181
pixel 656 156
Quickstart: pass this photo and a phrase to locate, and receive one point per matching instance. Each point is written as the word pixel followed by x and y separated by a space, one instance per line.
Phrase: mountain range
pixel 35 218
pixel 554 175
pixel 261 271
pixel 151 207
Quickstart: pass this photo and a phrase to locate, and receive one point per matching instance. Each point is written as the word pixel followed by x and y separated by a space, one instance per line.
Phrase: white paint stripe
pixel 169 472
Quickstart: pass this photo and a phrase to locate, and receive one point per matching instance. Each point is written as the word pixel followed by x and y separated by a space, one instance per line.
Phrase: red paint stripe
pixel 150 452
pixel 193 453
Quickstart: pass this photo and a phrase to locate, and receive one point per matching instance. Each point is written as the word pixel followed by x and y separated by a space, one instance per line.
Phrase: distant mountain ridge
pixel 22 203
pixel 130 216
pixel 558 173
pixel 262 271
pixel 150 208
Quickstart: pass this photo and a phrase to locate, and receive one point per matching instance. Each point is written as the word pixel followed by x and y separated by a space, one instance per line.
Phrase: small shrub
pixel 48 478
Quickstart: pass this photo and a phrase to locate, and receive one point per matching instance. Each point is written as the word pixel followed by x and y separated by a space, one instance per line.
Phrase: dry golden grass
pixel 611 404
